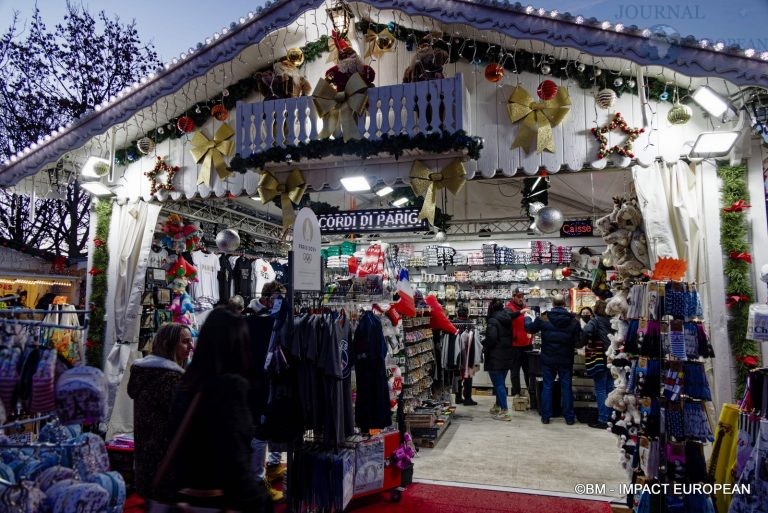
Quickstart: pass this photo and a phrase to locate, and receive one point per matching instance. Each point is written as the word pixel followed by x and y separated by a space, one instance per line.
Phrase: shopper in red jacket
pixel 521 341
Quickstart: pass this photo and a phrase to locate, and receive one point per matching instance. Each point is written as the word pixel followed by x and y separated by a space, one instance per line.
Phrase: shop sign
pixel 577 228
pixel 306 251
pixel 376 220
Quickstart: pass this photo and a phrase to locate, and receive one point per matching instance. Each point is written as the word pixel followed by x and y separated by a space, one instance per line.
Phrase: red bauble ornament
pixel 547 90
pixel 566 272
pixel 220 112
pixel 494 72
pixel 185 124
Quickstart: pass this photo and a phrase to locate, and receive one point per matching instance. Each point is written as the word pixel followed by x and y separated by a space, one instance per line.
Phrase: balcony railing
pixel 417 108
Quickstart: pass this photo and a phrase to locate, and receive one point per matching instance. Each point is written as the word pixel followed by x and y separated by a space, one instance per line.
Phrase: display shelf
pixel 436 269
pixel 429 437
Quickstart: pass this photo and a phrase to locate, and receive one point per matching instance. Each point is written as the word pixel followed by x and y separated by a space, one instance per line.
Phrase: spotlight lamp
pixel 715 104
pixel 714 144
pixel 400 202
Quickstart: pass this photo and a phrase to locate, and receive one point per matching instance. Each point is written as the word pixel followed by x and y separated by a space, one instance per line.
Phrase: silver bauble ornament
pixel 679 114
pixel 534 207
pixel 598 72
pixel 145 145
pixel 605 98
pixel 227 240
pixel 631 83
pixel 618 82
pixel 580 67
pixel 549 219
pixel 546 69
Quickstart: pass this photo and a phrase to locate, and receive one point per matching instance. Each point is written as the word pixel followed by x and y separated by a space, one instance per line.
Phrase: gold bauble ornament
pixel 679 114
pixel 295 56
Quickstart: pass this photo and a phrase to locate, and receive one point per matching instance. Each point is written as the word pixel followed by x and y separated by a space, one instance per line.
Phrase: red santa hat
pixel 182 269
pixel 437 318
pixel 406 306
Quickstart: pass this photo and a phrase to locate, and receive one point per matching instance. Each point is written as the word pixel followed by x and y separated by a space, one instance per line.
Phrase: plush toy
pixel 284 80
pixel 182 308
pixel 395 385
pixel 428 62
pixel 349 64
pixel 615 398
pixel 617 305
pixel 632 413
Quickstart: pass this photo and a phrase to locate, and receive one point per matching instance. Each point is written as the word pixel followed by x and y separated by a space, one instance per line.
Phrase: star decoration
pixel 161 168
pixel 626 148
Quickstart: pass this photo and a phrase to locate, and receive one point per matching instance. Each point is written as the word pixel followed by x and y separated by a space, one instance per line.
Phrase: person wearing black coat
pixel 594 336
pixel 560 333
pixel 499 353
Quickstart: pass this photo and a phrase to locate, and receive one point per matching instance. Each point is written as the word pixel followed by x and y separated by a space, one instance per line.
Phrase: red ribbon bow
pixel 737 206
pixel 99 243
pixel 94 271
pixel 746 257
pixel 736 298
pixel 749 361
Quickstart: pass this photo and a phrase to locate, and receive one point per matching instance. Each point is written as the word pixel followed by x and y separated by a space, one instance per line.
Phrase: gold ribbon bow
pixel 379 44
pixel 339 108
pixel 212 152
pixel 290 192
pixel 538 118
pixel 425 183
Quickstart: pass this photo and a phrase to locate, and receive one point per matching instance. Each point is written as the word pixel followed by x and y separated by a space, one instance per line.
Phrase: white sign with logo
pixel 306 251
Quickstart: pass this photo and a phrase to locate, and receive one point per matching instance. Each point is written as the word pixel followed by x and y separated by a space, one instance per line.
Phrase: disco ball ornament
pixel 220 112
pixel 227 240
pixel 494 72
pixel 547 90
pixel 534 207
pixel 295 56
pixel 185 124
pixel 145 145
pixel 549 219
pixel 440 236
pixel 605 98
pixel 679 114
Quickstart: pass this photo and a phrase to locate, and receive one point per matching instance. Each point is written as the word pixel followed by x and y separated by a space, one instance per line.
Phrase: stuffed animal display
pixel 428 62
pixel 349 64
pixel 623 231
pixel 284 80
pixel 182 308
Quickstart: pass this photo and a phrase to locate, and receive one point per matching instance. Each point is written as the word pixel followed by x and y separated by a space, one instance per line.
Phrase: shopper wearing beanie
pixel 560 332
pixel 499 353
pixel 521 342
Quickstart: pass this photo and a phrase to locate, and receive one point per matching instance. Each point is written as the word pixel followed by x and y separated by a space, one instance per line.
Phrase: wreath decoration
pixel 625 149
pixel 161 168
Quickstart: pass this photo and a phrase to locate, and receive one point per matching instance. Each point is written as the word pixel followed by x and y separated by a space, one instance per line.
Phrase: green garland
pixel 94 345
pixel 436 142
pixel 516 60
pixel 738 290
pixel 201 111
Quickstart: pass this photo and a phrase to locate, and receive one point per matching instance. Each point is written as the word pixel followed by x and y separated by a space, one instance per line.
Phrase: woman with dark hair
pixel 594 336
pixel 499 353
pixel 151 385
pixel 212 466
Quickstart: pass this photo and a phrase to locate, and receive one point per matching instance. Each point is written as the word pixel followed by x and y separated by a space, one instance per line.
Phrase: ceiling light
pixel 256 198
pixel 713 103
pixel 400 202
pixel 385 191
pixel 355 184
pixel 97 189
pixel 714 144
pixel 95 168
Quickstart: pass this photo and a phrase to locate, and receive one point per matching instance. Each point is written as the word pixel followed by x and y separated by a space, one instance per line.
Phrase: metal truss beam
pixel 260 229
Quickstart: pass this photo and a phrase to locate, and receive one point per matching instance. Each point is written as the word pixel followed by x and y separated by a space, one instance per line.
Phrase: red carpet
pixel 427 498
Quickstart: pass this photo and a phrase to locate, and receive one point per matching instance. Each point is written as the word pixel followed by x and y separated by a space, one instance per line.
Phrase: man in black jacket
pixel 560 332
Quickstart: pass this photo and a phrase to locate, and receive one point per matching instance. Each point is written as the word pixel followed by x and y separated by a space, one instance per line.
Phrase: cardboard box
pixel 521 404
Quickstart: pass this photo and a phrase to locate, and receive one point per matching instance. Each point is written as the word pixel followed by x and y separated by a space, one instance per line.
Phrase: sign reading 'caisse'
pixel 377 220
pixel 577 228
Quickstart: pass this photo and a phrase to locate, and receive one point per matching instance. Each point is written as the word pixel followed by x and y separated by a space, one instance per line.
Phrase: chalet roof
pixel 547 30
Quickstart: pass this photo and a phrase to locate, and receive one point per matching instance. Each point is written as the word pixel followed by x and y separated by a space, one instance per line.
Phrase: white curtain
pixel 671 213
pixel 130 238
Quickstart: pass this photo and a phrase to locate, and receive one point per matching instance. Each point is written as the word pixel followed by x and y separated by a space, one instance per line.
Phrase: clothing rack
pixel 24 422
pixel 40 324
